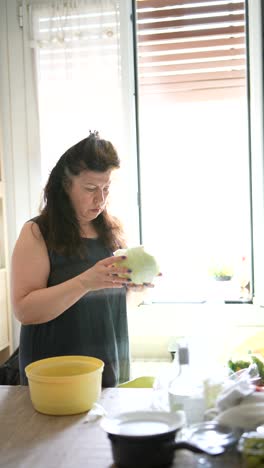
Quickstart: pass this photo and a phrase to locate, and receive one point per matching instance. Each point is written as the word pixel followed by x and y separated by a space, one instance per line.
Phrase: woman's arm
pixel 32 300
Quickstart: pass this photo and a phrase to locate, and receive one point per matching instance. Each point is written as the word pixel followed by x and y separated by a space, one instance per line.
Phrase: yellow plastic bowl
pixel 65 384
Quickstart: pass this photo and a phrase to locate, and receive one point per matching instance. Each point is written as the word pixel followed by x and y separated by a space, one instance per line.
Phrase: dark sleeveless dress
pixel 96 325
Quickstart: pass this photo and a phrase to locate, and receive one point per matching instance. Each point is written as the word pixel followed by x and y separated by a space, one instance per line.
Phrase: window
pixel 193 147
pixel 189 159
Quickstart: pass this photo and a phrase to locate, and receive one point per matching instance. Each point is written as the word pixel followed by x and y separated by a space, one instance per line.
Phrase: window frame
pixel 255 66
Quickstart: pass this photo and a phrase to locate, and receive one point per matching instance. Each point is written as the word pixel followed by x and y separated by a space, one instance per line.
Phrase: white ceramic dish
pixel 143 423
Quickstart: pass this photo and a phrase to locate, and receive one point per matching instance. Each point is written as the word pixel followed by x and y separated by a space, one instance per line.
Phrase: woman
pixel 65 284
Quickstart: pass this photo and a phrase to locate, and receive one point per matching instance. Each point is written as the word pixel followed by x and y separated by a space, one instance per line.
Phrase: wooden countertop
pixel 32 440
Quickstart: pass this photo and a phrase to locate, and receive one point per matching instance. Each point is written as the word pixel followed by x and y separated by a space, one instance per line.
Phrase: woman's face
pixel 88 192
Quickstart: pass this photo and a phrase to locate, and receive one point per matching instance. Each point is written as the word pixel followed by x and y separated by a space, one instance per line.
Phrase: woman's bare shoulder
pixel 30 239
pixel 31 230
pixel 30 257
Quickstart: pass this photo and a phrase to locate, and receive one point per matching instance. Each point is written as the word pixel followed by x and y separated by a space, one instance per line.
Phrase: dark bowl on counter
pixel 143 439
pixel 143 452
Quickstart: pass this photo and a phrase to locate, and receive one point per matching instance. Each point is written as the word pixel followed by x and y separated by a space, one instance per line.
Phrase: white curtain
pixel 77 56
pixel 83 84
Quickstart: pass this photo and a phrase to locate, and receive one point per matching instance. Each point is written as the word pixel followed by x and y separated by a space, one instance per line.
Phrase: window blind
pixel 187 46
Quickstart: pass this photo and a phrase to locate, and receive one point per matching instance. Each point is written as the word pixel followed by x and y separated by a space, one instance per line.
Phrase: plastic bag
pixel 239 385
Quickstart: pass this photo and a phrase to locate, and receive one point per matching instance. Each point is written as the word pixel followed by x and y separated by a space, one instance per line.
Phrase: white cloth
pixel 96 412
pixel 244 416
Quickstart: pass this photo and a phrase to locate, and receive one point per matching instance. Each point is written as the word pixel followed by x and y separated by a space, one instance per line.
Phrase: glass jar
pixel 251 447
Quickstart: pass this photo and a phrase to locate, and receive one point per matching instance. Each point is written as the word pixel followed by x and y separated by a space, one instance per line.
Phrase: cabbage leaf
pixel 143 265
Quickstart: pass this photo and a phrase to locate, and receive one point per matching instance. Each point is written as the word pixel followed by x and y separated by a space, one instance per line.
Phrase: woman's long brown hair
pixel 57 220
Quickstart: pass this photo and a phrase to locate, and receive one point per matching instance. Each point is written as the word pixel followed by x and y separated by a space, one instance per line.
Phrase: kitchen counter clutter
pixel 30 439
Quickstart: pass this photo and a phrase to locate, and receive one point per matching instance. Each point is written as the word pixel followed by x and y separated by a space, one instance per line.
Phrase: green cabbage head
pixel 143 265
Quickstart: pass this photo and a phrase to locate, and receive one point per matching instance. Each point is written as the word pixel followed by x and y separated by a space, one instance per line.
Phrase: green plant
pixel 221 271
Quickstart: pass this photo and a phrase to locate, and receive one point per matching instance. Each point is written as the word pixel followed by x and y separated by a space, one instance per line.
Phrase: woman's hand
pixel 139 287
pixel 105 274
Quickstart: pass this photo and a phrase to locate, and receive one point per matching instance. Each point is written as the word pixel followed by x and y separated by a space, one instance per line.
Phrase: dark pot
pixel 153 451
pixel 147 439
pixel 143 452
